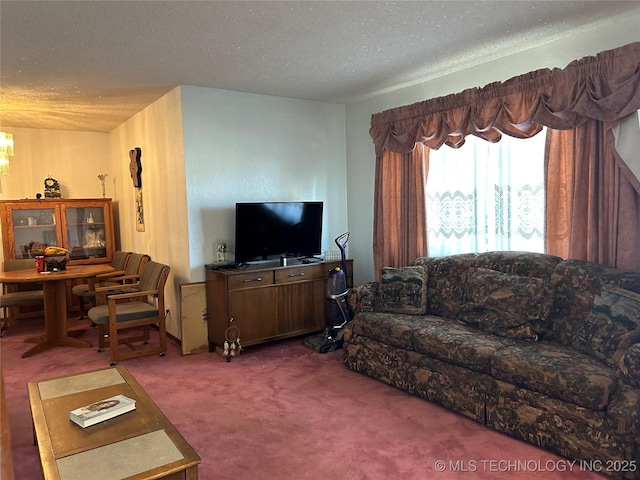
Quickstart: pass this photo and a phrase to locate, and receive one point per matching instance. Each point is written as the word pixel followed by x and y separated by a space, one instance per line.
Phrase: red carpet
pixel 282 411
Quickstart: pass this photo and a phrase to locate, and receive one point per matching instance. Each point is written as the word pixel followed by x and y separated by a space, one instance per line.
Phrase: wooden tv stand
pixel 268 303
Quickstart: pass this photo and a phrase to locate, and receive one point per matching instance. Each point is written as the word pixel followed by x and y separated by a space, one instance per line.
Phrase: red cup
pixel 40 263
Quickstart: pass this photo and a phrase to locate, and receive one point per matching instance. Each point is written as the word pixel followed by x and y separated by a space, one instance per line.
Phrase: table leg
pixel 55 321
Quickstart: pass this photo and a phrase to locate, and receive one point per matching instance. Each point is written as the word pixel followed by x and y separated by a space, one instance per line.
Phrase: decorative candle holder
pixel 102 177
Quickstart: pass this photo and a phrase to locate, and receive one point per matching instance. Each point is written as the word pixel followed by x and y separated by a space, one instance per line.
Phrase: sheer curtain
pixel 604 87
pixel 486 196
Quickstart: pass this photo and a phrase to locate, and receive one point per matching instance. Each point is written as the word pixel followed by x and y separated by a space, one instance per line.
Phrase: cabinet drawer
pixel 250 280
pixel 303 272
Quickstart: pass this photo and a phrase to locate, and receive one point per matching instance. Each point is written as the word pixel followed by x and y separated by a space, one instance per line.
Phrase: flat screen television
pixel 268 230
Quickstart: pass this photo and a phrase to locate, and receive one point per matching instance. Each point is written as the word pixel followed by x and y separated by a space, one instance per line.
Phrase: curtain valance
pixel 604 87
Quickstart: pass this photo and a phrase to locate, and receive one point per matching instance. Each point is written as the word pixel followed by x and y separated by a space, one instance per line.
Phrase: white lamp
pixel 6 151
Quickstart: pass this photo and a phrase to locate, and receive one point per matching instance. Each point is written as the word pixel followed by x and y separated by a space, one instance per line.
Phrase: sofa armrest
pixel 629 365
pixel 362 297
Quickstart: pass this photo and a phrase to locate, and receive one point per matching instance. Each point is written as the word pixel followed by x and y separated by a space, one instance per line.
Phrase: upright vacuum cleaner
pixel 338 311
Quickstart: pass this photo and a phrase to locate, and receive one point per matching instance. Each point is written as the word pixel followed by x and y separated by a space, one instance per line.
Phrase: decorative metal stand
pixel 102 177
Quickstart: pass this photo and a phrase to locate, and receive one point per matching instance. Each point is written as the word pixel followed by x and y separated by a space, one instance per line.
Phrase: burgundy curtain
pixel 400 230
pixel 604 87
pixel 592 208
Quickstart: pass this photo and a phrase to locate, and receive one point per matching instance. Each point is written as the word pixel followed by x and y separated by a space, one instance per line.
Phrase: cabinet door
pixel 301 307
pixel 87 233
pixel 84 226
pixel 31 229
pixel 254 312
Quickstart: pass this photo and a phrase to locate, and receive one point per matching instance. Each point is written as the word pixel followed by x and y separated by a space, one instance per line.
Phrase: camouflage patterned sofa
pixel 543 349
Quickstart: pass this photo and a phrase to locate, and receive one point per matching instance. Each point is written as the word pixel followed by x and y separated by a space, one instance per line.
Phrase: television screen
pixel 267 230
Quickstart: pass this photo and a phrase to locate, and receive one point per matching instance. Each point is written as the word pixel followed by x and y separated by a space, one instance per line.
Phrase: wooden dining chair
pixel 12 298
pixel 87 294
pixel 138 309
pixel 132 272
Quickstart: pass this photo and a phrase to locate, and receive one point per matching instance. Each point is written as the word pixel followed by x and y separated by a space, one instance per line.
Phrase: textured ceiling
pixel 92 65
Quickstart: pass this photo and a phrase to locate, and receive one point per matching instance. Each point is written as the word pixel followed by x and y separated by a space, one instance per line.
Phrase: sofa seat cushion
pixel 556 371
pixel 457 343
pixel 393 329
pixel 511 306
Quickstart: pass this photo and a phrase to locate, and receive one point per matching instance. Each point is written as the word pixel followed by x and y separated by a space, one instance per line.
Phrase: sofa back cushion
pixel 629 366
pixel 528 264
pixel 446 277
pixel 448 274
pixel 402 290
pixel 576 284
pixel 512 306
pixel 612 326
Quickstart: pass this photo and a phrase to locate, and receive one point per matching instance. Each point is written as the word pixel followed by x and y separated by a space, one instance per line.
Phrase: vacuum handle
pixel 341 242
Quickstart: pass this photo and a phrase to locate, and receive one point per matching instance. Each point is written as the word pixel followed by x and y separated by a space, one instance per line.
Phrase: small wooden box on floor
pixel 268 303
pixel 144 442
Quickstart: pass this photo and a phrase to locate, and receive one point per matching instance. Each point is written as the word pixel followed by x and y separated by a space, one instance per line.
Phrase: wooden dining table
pixel 54 286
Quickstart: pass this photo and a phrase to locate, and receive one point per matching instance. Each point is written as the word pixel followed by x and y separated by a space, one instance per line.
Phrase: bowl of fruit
pixel 56 258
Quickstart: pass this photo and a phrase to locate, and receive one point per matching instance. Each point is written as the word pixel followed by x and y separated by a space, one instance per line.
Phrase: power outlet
pixel 167 312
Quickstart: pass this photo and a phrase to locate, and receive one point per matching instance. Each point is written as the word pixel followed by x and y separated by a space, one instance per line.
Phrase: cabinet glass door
pixel 34 230
pixel 86 234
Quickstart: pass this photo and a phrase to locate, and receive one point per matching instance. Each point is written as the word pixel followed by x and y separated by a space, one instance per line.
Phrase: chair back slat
pixel 120 260
pixel 152 275
pixel 12 265
pixel 136 263
pixel 13 297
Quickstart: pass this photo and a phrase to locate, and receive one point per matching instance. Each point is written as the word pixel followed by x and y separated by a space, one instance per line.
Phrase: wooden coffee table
pixel 137 445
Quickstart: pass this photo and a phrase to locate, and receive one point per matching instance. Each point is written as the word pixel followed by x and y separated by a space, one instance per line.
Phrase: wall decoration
pixel 139 211
pixel 51 188
pixel 135 168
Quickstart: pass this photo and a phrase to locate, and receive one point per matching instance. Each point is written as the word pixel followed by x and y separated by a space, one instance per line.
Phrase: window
pixel 484 197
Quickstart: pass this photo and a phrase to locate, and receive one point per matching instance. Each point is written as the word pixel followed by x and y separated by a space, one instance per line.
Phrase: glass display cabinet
pixel 83 226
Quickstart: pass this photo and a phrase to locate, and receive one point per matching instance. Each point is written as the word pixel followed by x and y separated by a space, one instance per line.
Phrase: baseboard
pixel 155 327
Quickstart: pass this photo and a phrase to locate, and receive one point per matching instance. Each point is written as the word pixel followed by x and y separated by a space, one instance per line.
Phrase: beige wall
pixel 243 148
pixel 157 130
pixel 73 158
